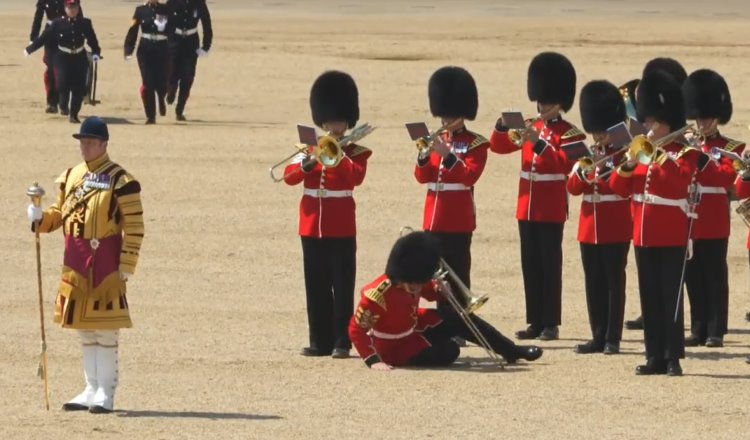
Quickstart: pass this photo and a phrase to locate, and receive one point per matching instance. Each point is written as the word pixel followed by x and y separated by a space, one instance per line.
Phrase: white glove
pixel 34 213
pixel 161 22
pixel 125 275
pixel 201 52
pixel 25 53
pixel 96 58
pixel 128 57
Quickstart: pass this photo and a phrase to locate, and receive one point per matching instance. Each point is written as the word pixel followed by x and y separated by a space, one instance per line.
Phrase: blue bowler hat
pixel 93 127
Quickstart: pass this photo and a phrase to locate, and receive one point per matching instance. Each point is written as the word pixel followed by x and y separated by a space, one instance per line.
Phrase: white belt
pixel 186 32
pixel 599 198
pixel 72 51
pixel 327 193
pixel 154 37
pixel 652 199
pixel 711 189
pixel 432 186
pixel 382 335
pixel 536 177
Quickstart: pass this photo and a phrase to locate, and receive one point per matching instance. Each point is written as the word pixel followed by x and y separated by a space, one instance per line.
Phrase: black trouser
pixel 455 249
pixel 453 326
pixel 441 353
pixel 184 60
pixel 541 263
pixel 70 72
pixel 707 282
pixel 50 83
pixel 659 273
pixel 153 61
pixel 330 269
pixel 604 271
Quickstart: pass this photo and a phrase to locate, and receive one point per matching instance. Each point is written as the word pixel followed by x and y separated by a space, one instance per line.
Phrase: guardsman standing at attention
pixel 52 9
pixel 658 185
pixel 678 73
pixel 327 223
pixel 708 102
pixel 742 188
pixel 99 209
pixel 185 46
pixel 605 226
pixel 452 166
pixel 153 54
pixel 542 197
pixel 68 35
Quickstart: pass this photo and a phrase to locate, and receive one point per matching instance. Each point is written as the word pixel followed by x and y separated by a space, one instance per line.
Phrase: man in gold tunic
pixel 99 208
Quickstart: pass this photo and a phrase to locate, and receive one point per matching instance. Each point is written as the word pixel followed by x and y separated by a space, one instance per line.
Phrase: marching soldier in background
pixel 153 54
pixel 542 198
pixel 605 226
pixel 327 218
pixel 52 9
pixel 708 102
pixel 99 210
pixel 68 35
pixel 185 46
pixel 678 73
pixel 659 192
pixel 451 168
pixel 389 329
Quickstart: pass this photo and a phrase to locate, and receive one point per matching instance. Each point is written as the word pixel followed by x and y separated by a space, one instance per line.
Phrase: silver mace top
pixel 36 193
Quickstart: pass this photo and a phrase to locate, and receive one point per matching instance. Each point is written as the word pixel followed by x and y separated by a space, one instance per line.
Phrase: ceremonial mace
pixel 36 192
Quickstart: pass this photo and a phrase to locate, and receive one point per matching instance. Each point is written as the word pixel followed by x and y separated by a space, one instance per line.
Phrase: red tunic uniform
pixel 605 216
pixel 449 206
pixel 714 180
pixel 541 189
pixel 389 323
pixel 327 209
pixel 659 197
pixel 742 188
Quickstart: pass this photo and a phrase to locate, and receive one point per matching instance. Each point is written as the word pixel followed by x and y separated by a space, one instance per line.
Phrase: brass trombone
pixel 329 152
pixel 645 151
pixel 473 303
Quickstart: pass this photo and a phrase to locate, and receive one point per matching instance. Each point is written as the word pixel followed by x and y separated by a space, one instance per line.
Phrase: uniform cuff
pixel 372 360
pixel 450 160
pixel 622 172
pixel 501 128
pixel 423 160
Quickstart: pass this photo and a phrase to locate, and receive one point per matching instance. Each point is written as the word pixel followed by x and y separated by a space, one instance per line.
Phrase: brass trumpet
pixel 329 152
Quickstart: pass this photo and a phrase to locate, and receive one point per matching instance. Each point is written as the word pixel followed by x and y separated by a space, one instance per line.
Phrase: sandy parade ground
pixel 218 298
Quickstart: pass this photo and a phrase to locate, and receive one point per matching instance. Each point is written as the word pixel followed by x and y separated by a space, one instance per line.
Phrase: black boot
pixel 652 367
pixel 531 332
pixel 694 340
pixel 635 324
pixel 674 368
pixel 51 109
pixel 179 108
pixel 550 334
pixel 590 347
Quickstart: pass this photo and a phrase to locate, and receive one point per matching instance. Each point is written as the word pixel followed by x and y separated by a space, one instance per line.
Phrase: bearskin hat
pixel 414 258
pixel 660 97
pixel 552 80
pixel 334 97
pixel 669 65
pixel 601 106
pixel 453 93
pixel 707 96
